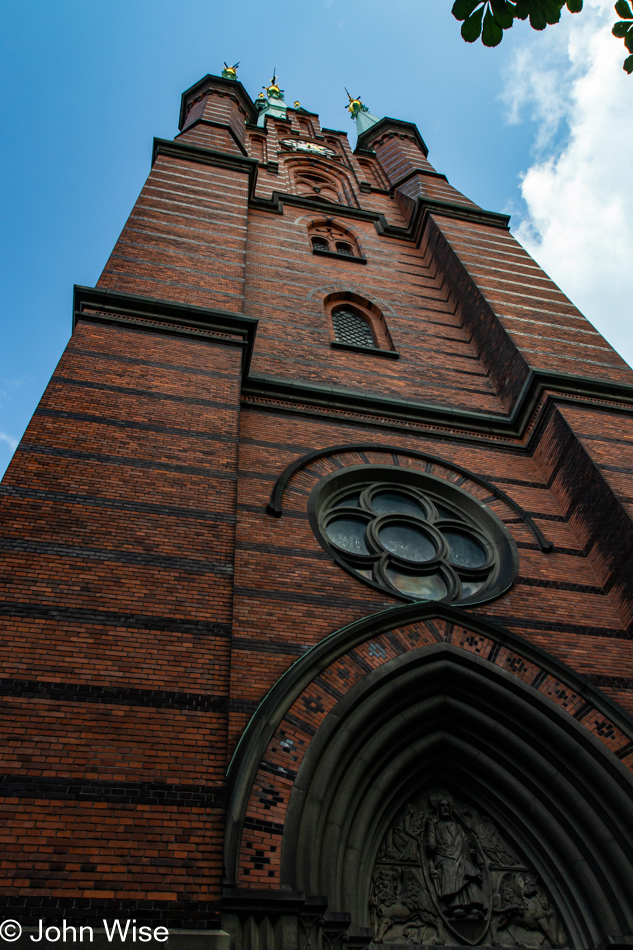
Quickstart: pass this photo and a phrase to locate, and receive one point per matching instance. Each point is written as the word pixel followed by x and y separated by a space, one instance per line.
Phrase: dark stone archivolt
pixel 439 803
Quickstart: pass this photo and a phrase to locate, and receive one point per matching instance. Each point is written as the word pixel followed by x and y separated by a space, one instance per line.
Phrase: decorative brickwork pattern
pixel 265 817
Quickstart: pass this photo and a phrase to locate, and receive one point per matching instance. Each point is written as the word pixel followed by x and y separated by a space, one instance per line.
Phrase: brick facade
pixel 149 598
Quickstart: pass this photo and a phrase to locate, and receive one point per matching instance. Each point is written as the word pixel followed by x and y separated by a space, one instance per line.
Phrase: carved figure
pixel 520 905
pixel 488 837
pixel 404 912
pixel 445 875
pixel 455 875
pixel 402 840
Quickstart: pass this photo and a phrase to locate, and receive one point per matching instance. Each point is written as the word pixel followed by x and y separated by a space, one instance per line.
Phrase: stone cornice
pixel 516 428
pixel 207 156
pixel 413 232
pixel 387 124
pixel 275 205
pixel 215 125
pixel 98 305
pixel 223 85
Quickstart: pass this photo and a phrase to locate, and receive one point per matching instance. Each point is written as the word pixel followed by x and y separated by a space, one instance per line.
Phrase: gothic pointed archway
pixel 442 702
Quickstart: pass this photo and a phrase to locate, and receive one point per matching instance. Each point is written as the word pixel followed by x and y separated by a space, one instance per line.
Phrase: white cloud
pixel 11 442
pixel 578 193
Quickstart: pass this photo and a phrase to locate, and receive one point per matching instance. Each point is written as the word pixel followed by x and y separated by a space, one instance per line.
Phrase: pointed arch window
pixel 351 328
pixel 332 240
pixel 357 324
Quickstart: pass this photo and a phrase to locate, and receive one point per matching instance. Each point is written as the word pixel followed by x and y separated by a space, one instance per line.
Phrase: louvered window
pixel 351 328
pixel 345 249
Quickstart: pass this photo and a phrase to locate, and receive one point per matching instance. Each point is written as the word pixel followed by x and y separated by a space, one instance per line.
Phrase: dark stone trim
pixel 561 585
pixel 147 464
pixel 340 257
pixel 413 232
pixel 110 618
pixel 257 645
pixel 233 329
pixel 365 139
pixel 216 125
pixel 369 350
pixel 116 793
pixel 310 398
pixel 142 426
pixel 152 394
pixel 180 914
pixel 260 824
pixel 117 504
pixel 271 711
pixel 202 155
pixel 612 682
pixel 416 171
pixel 226 85
pixel 269 902
pixel 274 505
pixel 160 562
pixel 306 597
pixel 110 695
pixel 527 623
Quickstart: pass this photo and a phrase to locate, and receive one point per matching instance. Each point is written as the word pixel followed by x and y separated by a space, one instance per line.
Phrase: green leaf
pixel 551 10
pixel 537 17
pixel 623 10
pixel 471 28
pixel 463 8
pixel 628 40
pixel 522 9
pixel 503 13
pixel 620 29
pixel 574 6
pixel 492 33
pixel 628 64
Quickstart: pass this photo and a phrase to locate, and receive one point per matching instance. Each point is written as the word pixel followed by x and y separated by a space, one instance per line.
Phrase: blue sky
pixel 86 85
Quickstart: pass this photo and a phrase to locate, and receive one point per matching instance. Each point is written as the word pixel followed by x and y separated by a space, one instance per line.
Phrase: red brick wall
pixel 148 601
pixel 118 519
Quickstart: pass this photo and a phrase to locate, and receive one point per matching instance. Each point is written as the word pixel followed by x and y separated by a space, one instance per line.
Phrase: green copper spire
pixel 271 102
pixel 360 113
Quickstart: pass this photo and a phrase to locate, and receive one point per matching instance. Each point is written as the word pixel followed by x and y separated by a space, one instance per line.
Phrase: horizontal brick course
pixel 148 599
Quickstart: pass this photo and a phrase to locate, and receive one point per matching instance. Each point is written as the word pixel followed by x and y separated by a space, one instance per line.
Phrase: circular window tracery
pixel 413 535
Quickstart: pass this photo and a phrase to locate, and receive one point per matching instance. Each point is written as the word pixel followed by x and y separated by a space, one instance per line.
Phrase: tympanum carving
pixel 445 875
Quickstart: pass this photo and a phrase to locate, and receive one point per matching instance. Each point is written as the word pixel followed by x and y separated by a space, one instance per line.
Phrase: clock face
pixel 311 148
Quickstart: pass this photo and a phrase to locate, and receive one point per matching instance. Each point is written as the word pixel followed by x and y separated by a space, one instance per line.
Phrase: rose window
pixel 413 535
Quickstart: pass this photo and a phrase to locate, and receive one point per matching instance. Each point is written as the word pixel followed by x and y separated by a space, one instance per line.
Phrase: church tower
pixel 316 587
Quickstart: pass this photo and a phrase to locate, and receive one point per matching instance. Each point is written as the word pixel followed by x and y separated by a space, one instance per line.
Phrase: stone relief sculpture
pixel 444 875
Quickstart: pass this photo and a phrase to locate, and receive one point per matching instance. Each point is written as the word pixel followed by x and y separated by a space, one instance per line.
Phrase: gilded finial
pixel 297 104
pixel 230 72
pixel 272 90
pixel 355 105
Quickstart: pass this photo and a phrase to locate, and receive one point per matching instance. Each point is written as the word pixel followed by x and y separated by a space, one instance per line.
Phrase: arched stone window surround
pixel 430 694
pixel 306 174
pixel 325 461
pixel 368 311
pixel 333 233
